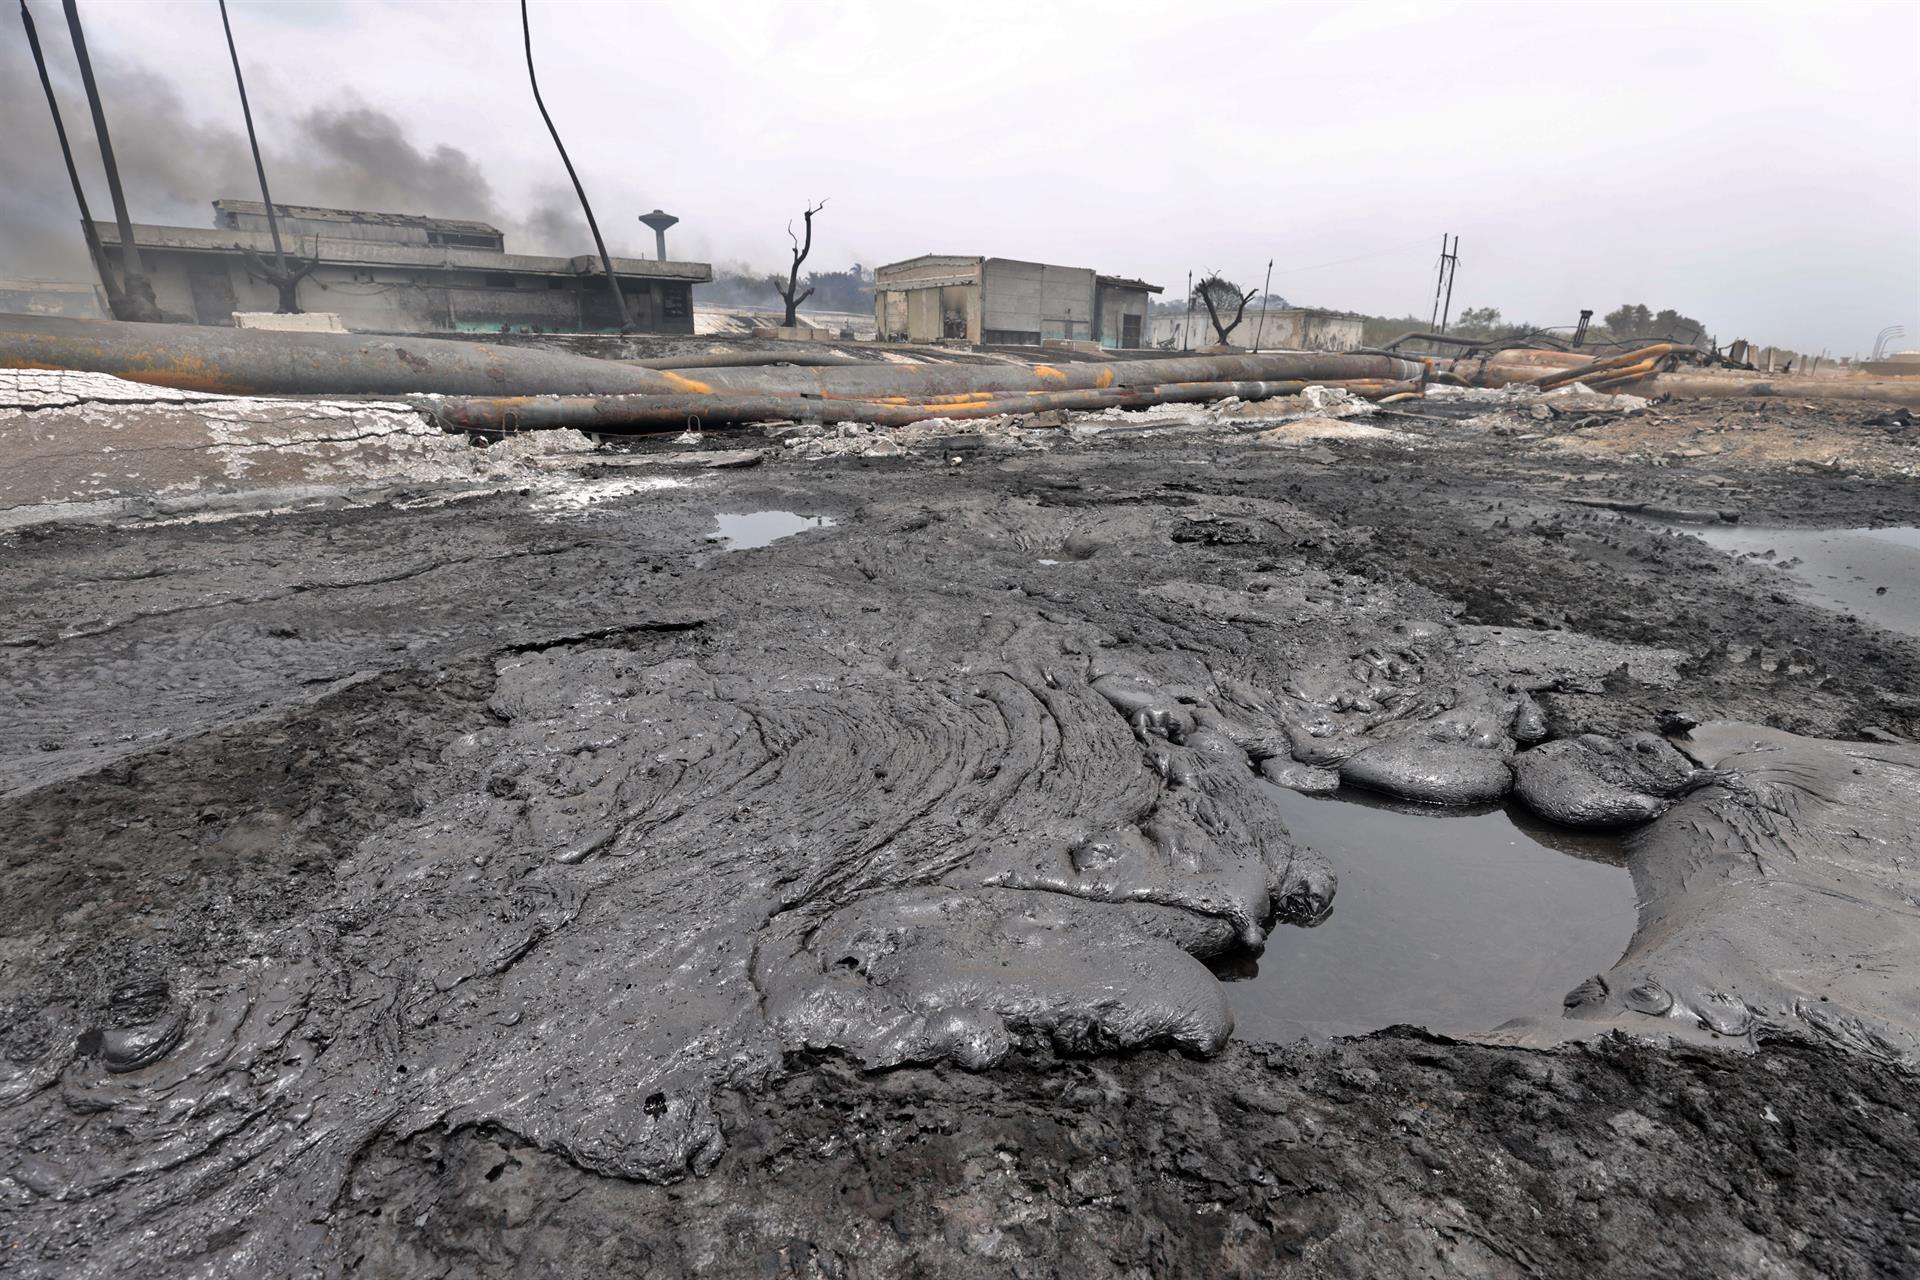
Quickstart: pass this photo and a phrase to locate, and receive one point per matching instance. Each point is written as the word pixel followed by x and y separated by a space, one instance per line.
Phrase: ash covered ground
pixel 494 874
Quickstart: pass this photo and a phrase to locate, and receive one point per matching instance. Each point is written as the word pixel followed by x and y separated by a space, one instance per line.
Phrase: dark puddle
pixel 743 529
pixel 1451 919
pixel 1873 574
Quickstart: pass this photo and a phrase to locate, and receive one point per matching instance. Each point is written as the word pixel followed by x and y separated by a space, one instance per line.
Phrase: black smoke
pixel 173 164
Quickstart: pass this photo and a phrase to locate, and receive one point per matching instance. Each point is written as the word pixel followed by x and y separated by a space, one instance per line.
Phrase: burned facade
pixel 1003 301
pixel 391 272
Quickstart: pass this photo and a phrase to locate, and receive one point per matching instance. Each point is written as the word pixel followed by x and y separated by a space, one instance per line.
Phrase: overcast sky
pixel 1756 166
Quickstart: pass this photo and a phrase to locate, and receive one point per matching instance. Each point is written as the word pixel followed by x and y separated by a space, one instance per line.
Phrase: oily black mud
pixel 1448 919
pixel 532 885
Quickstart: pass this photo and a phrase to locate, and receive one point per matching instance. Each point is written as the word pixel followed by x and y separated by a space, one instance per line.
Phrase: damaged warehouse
pixel 1005 302
pixel 401 273
pixel 1007 795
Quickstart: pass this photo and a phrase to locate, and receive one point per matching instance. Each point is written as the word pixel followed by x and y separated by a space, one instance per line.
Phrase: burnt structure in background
pixel 394 272
pixel 1002 301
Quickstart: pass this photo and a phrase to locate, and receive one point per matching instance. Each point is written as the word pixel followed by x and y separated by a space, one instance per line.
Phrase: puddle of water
pixel 743 529
pixel 1843 569
pixel 1455 920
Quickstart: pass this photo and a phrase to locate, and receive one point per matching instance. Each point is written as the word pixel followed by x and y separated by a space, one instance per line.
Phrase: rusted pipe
pixel 1580 373
pixel 918 382
pixel 1707 386
pixel 265 362
pixel 641 412
pixel 755 360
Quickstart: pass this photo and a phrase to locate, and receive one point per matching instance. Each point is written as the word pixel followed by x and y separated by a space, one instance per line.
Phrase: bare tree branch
pixel 791 293
pixel 1216 294
pixel 284 275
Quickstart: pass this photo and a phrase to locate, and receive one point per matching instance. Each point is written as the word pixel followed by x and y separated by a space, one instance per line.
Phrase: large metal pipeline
pixel 748 359
pixel 507 415
pixel 266 362
pixel 1690 385
pixel 921 382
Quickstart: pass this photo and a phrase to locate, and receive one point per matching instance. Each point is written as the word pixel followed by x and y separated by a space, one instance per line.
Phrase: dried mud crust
pixel 1393 1155
pixel 342 847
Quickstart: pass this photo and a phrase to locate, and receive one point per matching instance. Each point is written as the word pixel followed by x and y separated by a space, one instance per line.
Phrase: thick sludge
pixel 500 885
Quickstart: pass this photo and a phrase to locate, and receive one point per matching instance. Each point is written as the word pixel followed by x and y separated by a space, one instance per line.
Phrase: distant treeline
pixel 847 290
pixel 1630 320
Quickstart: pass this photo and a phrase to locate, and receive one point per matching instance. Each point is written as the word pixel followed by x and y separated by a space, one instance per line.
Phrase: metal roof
pixel 457 226
pixel 345 251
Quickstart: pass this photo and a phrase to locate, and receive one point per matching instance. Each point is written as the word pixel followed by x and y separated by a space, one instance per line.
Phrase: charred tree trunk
pixel 791 293
pixel 284 274
pixel 1216 295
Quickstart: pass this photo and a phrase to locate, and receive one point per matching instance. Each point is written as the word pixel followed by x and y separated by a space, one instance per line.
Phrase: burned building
pixel 1005 301
pixel 395 272
pixel 32 297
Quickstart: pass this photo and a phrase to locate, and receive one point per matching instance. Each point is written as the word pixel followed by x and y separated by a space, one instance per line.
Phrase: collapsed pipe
pixel 1647 356
pixel 627 412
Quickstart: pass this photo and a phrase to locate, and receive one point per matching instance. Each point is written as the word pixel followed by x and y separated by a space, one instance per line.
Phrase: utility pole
pixel 266 197
pixel 613 281
pixel 115 303
pixel 1449 261
pixel 1439 281
pixel 284 279
pixel 136 291
pixel 1186 329
pixel 1265 290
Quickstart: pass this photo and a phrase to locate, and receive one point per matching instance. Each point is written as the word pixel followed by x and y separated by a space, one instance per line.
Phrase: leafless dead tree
pixel 801 249
pixel 284 273
pixel 1217 294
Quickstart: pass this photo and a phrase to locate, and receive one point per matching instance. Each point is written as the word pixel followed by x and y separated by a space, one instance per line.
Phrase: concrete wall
pixel 203 288
pixel 1035 298
pixel 932 269
pixel 1294 329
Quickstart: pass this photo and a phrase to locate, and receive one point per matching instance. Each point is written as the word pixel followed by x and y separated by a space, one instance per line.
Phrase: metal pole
pixel 1433 321
pixel 273 225
pixel 136 290
pixel 613 282
pixel 1264 291
pixel 114 300
pixel 1186 329
pixel 1453 266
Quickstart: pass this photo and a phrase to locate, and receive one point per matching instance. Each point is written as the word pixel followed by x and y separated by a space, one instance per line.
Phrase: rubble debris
pixel 89 444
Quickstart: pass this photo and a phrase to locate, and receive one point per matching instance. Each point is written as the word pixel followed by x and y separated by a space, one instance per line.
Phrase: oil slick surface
pixel 740 530
pixel 1873 573
pixel 1448 919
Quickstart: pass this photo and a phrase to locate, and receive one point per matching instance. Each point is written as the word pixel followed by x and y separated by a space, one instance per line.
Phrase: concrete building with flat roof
pixel 400 273
pixel 1003 301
